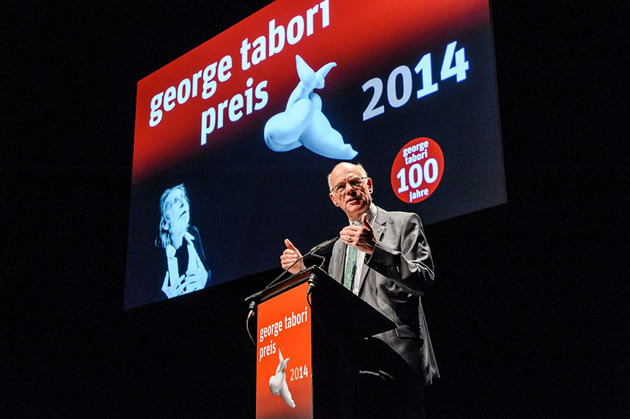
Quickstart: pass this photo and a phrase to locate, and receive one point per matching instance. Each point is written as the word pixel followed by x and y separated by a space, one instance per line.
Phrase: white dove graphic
pixel 278 381
pixel 303 123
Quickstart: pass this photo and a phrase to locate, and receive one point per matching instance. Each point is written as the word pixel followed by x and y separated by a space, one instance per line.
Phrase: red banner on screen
pixel 225 89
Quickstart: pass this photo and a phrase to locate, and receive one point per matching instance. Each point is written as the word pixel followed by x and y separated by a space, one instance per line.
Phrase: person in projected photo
pixel 382 257
pixel 185 259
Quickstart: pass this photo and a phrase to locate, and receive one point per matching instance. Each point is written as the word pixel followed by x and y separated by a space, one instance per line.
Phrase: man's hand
pixel 360 237
pixel 289 256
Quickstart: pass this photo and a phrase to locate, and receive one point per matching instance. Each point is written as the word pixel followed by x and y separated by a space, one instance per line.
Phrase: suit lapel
pixel 338 258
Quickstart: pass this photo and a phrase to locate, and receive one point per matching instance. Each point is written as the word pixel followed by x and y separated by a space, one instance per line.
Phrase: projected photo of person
pixel 185 259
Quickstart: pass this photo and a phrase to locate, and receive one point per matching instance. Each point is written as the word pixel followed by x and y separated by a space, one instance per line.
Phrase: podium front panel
pixel 284 385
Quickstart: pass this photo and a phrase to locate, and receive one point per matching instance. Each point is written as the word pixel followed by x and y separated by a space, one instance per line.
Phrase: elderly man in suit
pixel 383 257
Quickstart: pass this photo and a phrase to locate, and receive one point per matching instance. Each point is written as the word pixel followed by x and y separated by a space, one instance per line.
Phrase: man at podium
pixel 384 258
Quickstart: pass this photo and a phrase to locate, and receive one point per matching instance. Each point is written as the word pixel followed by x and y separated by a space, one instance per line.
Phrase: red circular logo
pixel 417 170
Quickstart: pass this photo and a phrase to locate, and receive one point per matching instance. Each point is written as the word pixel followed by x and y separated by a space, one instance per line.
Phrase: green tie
pixel 351 265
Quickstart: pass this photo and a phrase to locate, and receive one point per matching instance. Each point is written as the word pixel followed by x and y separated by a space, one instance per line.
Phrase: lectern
pixel 305 327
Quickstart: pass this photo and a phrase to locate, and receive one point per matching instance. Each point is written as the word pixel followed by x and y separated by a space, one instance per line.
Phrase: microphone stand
pixel 311 281
pixel 310 253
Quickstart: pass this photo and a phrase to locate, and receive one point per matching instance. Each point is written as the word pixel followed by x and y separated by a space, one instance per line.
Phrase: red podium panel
pixel 284 385
pixel 304 366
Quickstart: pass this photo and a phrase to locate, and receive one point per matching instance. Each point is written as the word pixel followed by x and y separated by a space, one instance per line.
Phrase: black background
pixel 529 316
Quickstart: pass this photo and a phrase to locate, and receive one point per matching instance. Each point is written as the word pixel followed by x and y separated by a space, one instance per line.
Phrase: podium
pixel 306 327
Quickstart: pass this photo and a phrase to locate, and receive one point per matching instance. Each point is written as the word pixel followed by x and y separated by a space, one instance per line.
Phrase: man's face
pixel 351 190
pixel 176 211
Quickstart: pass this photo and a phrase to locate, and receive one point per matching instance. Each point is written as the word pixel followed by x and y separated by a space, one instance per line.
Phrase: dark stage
pixel 529 316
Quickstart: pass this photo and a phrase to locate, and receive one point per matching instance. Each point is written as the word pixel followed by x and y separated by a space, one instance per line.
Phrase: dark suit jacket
pixel 399 271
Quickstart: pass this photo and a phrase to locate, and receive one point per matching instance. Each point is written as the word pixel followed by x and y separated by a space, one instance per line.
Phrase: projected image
pixel 303 123
pixel 183 252
pixel 252 120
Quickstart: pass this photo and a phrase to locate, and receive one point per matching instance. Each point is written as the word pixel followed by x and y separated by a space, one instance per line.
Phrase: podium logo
pixel 303 123
pixel 278 381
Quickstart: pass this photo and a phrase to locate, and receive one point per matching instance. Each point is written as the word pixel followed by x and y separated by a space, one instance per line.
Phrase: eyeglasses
pixel 355 183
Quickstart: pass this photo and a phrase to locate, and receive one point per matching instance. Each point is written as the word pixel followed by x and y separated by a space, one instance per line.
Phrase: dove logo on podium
pixel 303 123
pixel 278 381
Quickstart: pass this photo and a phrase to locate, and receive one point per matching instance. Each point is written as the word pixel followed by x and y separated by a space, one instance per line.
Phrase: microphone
pixel 323 245
pixel 317 248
